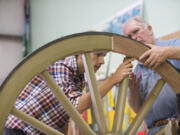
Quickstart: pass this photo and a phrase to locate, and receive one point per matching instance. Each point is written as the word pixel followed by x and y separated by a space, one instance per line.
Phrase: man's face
pixel 137 31
pixel 97 59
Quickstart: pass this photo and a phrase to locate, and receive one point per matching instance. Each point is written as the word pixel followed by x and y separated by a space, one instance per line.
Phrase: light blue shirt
pixel 165 105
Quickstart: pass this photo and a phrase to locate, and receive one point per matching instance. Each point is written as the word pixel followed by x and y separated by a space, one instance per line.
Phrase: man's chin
pixel 95 70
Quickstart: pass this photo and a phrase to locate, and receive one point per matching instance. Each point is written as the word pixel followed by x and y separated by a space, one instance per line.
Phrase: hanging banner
pixel 116 22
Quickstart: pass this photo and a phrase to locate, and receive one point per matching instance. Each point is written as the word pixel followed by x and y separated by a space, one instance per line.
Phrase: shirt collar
pixel 71 62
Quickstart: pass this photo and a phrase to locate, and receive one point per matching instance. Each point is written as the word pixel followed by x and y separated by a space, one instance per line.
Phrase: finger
pixel 132 76
pixel 129 65
pixel 127 74
pixel 130 73
pixel 129 60
pixel 152 63
pixel 149 60
pixel 129 69
pixel 149 45
pixel 145 55
pixel 132 80
pixel 156 65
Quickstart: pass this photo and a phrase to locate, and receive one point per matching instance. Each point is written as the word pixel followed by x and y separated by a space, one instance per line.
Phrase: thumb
pixel 149 45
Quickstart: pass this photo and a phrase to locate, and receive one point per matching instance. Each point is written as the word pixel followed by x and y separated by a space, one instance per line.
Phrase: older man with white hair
pixel 144 78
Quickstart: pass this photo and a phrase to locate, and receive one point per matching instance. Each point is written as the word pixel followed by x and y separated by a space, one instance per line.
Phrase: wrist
pixel 167 52
pixel 113 79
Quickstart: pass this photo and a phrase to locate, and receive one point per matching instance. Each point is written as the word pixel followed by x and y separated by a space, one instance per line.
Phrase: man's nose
pixel 134 37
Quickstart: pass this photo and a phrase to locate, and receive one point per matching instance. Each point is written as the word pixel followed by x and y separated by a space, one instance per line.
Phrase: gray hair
pixel 139 20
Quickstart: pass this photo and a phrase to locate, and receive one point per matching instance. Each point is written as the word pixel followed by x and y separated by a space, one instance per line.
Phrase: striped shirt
pixel 38 101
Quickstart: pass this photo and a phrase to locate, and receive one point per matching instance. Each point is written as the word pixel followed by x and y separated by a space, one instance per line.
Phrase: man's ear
pixel 79 57
pixel 80 63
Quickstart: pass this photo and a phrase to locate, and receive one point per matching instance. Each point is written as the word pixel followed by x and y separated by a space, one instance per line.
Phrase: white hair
pixel 139 20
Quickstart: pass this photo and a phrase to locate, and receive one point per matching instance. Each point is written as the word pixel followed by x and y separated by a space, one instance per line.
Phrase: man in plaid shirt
pixel 38 101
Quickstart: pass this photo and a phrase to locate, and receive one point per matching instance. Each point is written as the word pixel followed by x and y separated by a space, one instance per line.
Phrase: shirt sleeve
pixel 64 78
pixel 175 63
pixel 174 42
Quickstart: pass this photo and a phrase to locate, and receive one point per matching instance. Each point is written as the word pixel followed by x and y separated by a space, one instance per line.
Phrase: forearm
pixel 85 100
pixel 173 52
pixel 106 85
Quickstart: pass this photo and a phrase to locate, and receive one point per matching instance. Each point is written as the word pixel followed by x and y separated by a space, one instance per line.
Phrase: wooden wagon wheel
pixel 38 61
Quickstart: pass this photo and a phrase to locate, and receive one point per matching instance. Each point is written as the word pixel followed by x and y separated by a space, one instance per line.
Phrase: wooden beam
pixel 172 35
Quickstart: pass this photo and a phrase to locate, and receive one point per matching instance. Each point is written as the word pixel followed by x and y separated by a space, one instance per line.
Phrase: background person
pixel 144 79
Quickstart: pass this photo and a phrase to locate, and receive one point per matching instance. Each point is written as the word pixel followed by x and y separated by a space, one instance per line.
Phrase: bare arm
pixel 134 97
pixel 157 55
pixel 173 52
pixel 122 71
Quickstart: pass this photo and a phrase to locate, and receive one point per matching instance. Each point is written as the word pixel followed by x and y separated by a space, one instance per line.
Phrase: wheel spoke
pixel 61 97
pixel 120 106
pixel 35 123
pixel 95 95
pixel 145 108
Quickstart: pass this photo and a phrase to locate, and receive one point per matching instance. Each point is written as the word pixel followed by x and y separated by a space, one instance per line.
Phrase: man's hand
pixel 154 57
pixel 123 71
pixel 134 98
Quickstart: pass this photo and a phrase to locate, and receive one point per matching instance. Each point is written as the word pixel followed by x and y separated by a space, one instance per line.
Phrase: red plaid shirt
pixel 38 101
